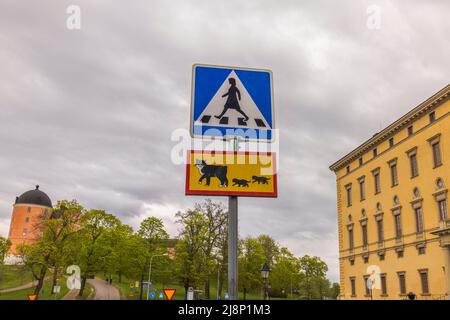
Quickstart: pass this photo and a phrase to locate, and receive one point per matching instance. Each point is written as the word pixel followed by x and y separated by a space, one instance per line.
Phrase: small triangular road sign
pixel 32 296
pixel 169 293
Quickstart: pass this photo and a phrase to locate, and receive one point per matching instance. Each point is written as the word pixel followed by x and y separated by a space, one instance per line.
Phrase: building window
pixel 29 209
pixel 443 209
pixel 360 161
pixel 410 131
pixel 376 180
pixel 398 226
pixel 424 281
pixel 413 165
pixel 383 284
pixel 348 169
pixel 375 152
pixel 27 219
pixel 380 230
pixel 349 194
pixel 402 282
pixel 352 262
pixel 364 235
pixel 421 250
pixel 353 286
pixel 400 254
pixel 366 259
pixel 391 142
pixel 366 285
pixel 394 173
pixel 381 256
pixel 437 160
pixel 362 188
pixel 419 219
pixel 351 242
pixel 25 232
pixel 432 117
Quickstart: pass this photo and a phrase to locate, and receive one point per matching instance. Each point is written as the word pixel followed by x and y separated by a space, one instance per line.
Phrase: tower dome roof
pixel 35 196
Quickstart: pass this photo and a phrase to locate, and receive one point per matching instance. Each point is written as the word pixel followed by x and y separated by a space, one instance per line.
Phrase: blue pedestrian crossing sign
pixel 229 102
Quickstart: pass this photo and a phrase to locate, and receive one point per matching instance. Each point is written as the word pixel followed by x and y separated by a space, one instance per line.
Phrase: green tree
pixel 313 275
pixel 190 263
pixel 94 243
pixel 335 291
pixel 216 219
pixel 154 241
pixel 285 274
pixel 251 258
pixel 5 244
pixel 270 247
pixel 49 251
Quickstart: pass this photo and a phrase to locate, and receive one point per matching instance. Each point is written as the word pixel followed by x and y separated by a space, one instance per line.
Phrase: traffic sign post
pixel 231 103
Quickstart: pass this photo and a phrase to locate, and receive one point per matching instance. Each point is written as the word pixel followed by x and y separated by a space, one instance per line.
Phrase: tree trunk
pixel 245 293
pixel 55 278
pixel 207 289
pixel 83 285
pixel 40 281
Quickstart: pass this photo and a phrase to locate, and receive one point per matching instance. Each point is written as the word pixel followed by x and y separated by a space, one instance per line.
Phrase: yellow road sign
pixel 227 173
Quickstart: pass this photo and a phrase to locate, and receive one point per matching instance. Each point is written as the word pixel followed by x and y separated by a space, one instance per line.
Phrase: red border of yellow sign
pixel 273 194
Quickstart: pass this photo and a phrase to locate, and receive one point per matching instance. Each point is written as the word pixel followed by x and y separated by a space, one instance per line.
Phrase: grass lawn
pixel 45 293
pixel 14 276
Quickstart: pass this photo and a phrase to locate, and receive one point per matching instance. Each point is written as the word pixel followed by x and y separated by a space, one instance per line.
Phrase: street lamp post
pixel 150 271
pixel 265 270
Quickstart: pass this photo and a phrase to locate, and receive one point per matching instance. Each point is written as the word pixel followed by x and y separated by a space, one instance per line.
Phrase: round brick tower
pixel 29 211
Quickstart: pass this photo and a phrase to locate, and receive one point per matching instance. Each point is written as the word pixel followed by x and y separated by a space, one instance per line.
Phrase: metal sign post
pixel 233 247
pixel 233 241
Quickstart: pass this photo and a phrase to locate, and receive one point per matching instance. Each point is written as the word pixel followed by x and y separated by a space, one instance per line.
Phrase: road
pixel 104 291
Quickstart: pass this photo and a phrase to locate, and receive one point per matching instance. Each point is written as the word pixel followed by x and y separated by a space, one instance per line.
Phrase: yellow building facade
pixel 392 202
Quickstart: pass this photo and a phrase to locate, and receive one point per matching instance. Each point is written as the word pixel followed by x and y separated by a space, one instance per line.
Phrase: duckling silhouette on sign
pixel 210 171
pixel 240 182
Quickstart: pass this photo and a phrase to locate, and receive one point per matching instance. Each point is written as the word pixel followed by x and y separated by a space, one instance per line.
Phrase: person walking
pixel 234 96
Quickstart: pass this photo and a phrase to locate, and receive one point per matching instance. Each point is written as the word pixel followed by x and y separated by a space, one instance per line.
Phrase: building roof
pixel 437 99
pixel 36 197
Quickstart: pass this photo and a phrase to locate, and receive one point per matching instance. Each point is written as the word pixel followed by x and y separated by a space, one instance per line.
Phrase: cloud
pixel 89 114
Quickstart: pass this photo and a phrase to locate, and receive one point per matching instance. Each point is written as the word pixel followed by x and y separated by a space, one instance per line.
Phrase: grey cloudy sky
pixel 88 114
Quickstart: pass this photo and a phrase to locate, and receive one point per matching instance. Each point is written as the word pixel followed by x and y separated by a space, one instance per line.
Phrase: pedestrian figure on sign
pixel 234 96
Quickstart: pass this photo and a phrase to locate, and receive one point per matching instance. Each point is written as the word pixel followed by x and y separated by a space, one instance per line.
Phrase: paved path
pixel 71 295
pixel 104 291
pixel 24 286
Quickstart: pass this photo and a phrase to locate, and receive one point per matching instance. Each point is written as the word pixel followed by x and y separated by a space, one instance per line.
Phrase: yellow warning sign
pixel 251 174
pixel 169 293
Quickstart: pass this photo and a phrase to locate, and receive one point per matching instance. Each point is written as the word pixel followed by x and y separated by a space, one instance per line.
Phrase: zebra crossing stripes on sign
pixel 232 102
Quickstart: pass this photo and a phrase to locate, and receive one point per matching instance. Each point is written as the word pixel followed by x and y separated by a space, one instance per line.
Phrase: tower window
pixel 25 232
pixel 391 142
